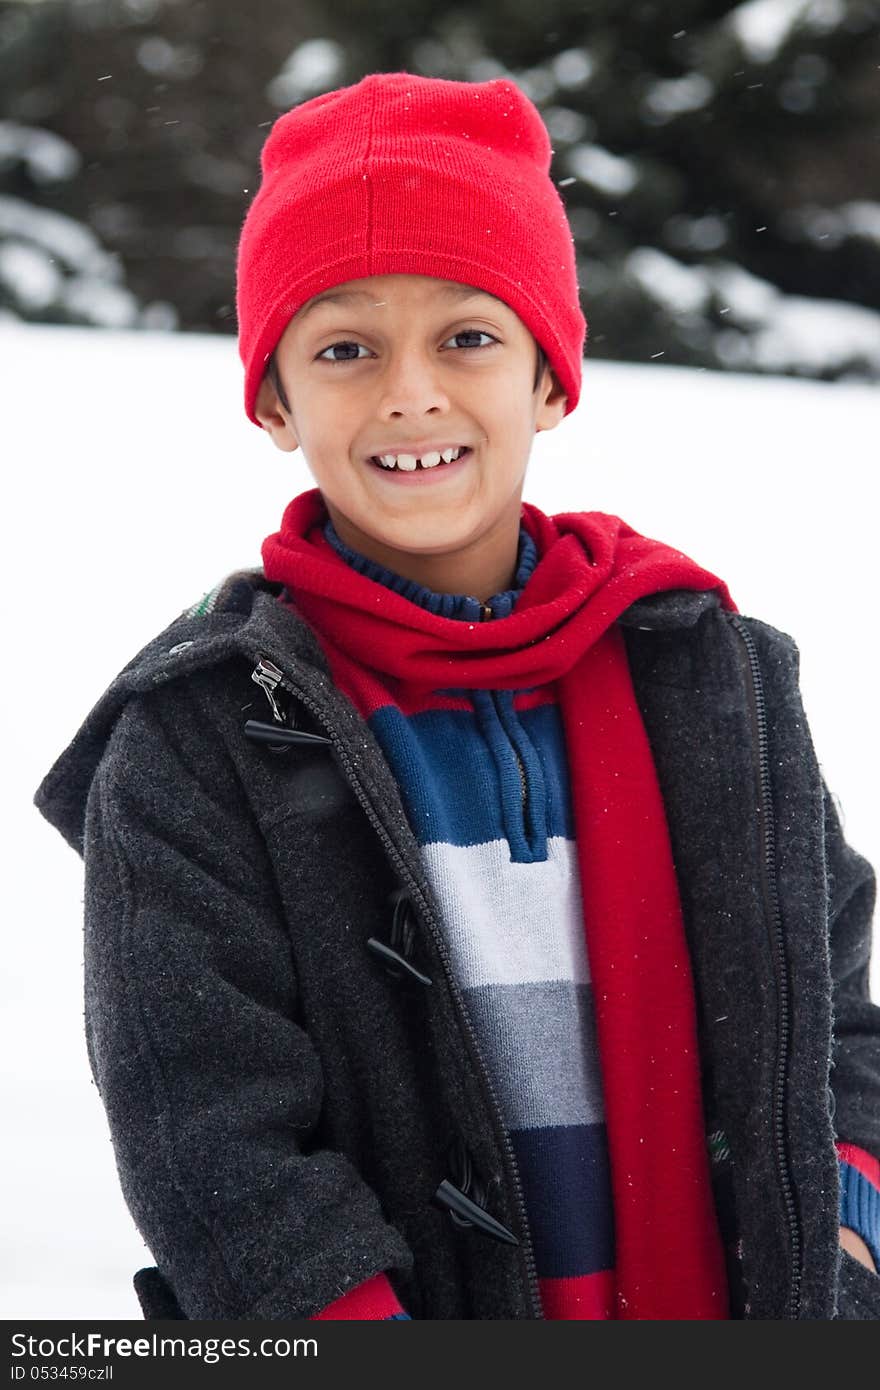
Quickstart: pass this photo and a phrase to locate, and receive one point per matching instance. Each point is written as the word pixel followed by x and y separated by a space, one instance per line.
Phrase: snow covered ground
pixel 129 457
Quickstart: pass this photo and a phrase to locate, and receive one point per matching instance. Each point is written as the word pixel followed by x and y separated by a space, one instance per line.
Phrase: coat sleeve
pixel 211 1087
pixel 855 1072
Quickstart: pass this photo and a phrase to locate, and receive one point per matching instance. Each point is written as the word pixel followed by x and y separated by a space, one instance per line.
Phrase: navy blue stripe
pixel 567 1188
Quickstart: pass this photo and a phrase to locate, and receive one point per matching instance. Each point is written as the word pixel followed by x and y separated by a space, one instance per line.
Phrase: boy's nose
pixel 411 387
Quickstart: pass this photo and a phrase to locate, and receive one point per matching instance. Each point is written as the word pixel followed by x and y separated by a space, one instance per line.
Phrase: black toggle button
pixel 396 956
pixel 464 1212
pixel 394 962
pixel 274 734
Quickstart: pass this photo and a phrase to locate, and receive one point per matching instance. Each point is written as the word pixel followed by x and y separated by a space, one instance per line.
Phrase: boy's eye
pixel 352 357
pixel 472 333
pixel 333 346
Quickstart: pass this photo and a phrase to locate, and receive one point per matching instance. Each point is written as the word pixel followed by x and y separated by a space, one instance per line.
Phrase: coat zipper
pixel 486 611
pixel 269 676
pixel 758 715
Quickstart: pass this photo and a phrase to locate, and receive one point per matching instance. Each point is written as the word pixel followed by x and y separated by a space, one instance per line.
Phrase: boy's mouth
pixel 418 473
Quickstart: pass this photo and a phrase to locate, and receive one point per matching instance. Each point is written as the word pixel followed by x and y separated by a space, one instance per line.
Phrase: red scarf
pixel 669 1259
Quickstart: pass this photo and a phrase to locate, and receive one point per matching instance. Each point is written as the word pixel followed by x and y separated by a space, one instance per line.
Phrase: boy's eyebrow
pixel 461 292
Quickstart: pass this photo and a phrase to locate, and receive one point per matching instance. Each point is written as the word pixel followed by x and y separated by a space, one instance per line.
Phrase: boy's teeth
pixel 408 462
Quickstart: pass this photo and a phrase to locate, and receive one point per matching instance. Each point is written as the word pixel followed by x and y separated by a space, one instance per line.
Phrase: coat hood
pixel 241 617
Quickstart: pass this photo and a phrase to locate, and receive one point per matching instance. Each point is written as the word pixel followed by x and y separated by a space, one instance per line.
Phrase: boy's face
pixel 419 367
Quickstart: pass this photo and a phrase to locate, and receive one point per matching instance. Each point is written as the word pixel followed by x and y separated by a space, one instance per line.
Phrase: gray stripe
pixel 540 1043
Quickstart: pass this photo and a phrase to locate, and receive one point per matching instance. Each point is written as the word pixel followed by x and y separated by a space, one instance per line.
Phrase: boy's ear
pixel 553 402
pixel 267 409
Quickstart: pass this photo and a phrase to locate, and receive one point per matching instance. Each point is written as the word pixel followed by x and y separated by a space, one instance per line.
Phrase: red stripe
pixel 867 1164
pixel 587 1297
pixel 374 1299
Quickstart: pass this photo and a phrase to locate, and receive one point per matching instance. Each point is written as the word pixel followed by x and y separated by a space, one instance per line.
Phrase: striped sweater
pixel 483 776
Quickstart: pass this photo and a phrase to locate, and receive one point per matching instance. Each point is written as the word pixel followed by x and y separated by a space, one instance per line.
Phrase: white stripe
pixel 507 922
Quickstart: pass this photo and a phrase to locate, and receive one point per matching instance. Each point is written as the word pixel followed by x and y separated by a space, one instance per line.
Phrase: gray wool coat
pixel 294 1090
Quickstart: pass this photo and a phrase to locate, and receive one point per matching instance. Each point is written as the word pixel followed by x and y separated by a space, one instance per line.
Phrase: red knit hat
pixel 400 174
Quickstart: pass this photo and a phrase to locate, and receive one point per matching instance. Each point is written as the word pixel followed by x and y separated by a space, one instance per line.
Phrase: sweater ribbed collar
pixel 464 606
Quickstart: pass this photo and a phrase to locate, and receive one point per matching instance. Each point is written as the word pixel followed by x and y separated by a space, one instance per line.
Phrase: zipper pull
pixel 267 677
pixel 485 613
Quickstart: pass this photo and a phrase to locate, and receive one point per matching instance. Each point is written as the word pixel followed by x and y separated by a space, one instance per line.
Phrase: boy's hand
pixel 856 1247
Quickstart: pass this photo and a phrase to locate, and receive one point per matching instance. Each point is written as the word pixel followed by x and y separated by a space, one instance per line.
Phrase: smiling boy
pixel 501 955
